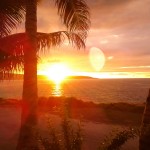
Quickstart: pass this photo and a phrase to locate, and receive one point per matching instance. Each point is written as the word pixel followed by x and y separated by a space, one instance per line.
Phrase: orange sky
pixel 118 41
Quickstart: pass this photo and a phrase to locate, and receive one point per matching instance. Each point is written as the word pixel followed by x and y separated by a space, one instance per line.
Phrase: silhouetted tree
pixel 75 16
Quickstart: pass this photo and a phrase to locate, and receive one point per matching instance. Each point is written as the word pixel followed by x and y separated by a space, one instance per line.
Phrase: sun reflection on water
pixel 57 90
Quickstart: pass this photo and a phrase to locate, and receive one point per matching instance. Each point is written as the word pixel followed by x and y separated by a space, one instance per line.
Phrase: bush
pixel 116 139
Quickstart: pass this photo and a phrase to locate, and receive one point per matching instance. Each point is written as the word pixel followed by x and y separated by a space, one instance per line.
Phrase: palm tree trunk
pixel 27 139
pixel 144 140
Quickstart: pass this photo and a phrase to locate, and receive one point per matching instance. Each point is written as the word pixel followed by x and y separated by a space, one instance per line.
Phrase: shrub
pixel 116 139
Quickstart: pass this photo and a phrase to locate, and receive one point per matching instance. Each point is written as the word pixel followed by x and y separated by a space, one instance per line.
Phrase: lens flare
pixel 97 58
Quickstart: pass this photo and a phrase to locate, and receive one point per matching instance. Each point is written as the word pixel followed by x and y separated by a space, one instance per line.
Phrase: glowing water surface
pixel 56 90
pixel 96 90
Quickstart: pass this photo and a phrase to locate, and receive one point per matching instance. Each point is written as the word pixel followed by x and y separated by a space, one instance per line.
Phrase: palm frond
pixel 9 64
pixel 12 48
pixel 48 40
pixel 75 15
pixel 11 14
pixel 11 55
pixel 15 44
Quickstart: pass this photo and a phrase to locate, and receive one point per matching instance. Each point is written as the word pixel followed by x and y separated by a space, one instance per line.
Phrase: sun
pixel 57 72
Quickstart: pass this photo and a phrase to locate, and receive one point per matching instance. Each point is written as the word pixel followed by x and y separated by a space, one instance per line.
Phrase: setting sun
pixel 57 72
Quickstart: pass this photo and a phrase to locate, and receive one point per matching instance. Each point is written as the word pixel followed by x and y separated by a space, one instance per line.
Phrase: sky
pixel 117 43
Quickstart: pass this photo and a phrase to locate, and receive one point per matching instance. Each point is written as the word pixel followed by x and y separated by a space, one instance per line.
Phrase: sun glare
pixel 57 72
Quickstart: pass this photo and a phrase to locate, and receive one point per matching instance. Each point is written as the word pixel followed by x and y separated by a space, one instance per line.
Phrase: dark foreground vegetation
pixel 69 136
pixel 114 113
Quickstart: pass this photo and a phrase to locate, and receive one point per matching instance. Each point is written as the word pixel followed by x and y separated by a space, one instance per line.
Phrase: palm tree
pixel 75 15
pixel 29 117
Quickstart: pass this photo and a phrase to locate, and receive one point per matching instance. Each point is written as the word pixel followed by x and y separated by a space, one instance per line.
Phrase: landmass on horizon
pixel 44 77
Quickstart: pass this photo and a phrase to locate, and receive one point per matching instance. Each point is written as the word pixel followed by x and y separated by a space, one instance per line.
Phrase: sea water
pixel 96 90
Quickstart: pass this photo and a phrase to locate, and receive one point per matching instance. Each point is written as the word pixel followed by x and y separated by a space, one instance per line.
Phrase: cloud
pixel 53 61
pixel 113 13
pixel 110 57
pixel 103 4
pixel 128 20
pixel 119 27
pixel 48 18
pixel 135 67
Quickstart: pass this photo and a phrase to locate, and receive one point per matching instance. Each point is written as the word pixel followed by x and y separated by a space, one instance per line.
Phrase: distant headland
pixel 43 77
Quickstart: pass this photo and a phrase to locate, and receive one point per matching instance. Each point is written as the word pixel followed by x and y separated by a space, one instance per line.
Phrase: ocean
pixel 95 90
